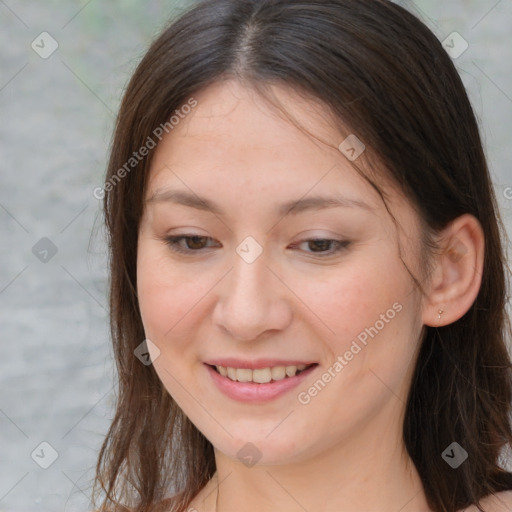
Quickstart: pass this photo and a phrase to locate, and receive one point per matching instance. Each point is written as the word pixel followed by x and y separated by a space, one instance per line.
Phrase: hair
pixel 382 73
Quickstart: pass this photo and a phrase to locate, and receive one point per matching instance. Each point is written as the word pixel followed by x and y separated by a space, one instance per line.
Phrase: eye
pixel 325 246
pixel 193 243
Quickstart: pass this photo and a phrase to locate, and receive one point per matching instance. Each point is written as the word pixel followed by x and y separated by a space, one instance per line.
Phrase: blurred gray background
pixel 56 118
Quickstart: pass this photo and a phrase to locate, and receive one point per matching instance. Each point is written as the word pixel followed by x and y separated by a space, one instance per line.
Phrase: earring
pixel 441 312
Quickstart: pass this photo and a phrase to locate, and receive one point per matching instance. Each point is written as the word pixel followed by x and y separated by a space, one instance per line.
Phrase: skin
pixel 290 303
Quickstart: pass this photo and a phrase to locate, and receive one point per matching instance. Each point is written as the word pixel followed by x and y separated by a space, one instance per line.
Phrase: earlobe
pixel 457 274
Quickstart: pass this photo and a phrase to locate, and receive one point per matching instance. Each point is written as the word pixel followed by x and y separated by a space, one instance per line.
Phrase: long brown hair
pixel 382 73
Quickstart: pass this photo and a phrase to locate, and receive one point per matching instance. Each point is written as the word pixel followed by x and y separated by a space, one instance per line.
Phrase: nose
pixel 252 301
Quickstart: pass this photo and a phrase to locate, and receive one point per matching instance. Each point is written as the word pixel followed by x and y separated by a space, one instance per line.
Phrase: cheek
pixel 165 296
pixel 352 298
pixel 373 315
pixel 168 300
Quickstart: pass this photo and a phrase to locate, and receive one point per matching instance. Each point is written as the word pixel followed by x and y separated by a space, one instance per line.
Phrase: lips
pixel 249 381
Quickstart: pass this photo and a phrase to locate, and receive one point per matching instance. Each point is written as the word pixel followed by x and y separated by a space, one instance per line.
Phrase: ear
pixel 457 272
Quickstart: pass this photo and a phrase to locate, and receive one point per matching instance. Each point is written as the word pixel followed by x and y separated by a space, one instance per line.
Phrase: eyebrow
pixel 294 206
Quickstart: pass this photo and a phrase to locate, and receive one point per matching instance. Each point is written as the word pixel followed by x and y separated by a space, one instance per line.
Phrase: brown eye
pixel 193 243
pixel 320 245
pixel 324 246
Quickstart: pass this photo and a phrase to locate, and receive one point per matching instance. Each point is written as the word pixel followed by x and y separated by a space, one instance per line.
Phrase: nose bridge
pixel 248 283
pixel 249 272
pixel 250 300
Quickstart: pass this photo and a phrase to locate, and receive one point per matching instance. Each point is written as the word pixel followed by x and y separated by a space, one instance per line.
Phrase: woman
pixel 307 277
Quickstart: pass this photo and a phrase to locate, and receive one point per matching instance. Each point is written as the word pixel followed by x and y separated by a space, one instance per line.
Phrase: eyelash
pixel 173 241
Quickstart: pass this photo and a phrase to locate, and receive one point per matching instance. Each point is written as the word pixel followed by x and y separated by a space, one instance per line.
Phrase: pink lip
pixel 255 364
pixel 253 392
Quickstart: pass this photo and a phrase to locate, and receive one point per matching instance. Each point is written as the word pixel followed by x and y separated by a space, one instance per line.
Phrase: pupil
pixel 324 244
pixel 195 240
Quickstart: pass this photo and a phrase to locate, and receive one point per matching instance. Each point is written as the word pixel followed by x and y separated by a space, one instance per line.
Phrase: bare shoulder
pixel 499 502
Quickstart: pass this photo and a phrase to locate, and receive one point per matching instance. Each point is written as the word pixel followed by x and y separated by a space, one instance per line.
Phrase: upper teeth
pixel 261 375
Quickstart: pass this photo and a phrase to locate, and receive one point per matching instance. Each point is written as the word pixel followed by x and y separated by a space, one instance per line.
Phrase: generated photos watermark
pixel 305 397
pixel 143 151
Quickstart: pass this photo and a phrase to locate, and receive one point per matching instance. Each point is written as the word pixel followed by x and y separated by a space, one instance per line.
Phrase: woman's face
pixel 264 290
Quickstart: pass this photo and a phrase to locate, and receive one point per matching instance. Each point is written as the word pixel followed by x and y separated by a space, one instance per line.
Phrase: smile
pixel 258 385
pixel 260 375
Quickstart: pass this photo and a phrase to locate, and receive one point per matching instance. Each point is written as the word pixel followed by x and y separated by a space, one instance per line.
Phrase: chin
pixel 260 450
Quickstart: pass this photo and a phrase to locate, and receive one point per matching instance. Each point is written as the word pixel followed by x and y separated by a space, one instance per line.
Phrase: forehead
pixel 234 134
